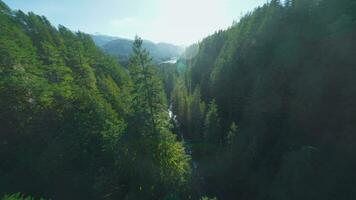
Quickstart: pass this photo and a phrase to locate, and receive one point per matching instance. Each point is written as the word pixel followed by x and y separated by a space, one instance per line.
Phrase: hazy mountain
pixel 121 48
pixel 101 40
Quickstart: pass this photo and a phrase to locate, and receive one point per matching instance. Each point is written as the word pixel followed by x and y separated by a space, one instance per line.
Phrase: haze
pixel 181 22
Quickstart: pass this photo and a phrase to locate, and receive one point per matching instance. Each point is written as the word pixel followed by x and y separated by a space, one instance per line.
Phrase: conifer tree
pixel 147 89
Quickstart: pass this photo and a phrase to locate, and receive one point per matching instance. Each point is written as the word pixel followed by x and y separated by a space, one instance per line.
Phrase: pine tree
pixel 196 114
pixel 212 128
pixel 152 141
pixel 149 99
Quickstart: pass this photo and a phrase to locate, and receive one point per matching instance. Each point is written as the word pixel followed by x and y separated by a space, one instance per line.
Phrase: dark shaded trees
pixel 283 73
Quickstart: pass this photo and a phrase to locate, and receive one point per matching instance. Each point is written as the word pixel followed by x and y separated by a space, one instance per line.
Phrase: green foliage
pixel 297 172
pixel 195 114
pixel 207 198
pixel 284 73
pixel 148 94
pixel 75 124
pixel 156 162
pixel 169 74
pixel 212 124
pixel 18 196
pixel 231 135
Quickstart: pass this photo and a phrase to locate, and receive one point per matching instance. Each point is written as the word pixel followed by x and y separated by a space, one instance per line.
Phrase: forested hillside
pixel 265 110
pixel 76 125
pixel 269 106
pixel 101 40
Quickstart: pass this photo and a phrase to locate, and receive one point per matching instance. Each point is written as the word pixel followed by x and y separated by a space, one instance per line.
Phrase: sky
pixel 181 22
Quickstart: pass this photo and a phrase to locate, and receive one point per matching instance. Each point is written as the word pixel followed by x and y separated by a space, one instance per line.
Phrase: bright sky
pixel 181 22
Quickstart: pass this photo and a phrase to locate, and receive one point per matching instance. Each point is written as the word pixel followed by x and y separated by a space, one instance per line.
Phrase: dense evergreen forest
pixel 265 110
pixel 269 106
pixel 75 124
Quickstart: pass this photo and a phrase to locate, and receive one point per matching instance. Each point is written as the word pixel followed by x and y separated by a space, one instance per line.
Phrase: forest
pixel 265 110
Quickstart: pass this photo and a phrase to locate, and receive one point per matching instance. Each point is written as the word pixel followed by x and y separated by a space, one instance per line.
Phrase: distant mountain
pixel 121 48
pixel 101 40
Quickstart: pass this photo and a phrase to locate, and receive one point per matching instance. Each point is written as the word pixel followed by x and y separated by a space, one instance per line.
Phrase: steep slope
pixel 285 74
pixel 74 123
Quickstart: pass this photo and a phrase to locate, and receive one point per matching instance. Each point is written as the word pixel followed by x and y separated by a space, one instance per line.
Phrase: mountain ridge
pixel 121 48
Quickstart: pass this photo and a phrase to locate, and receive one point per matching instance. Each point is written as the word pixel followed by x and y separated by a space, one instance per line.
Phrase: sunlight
pixel 168 100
